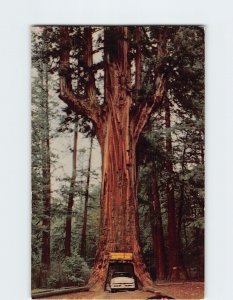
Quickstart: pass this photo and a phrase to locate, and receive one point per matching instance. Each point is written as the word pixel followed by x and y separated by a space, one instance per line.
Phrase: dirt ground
pixel 188 290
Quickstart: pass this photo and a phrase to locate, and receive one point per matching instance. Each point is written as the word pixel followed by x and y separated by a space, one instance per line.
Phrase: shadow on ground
pixel 160 297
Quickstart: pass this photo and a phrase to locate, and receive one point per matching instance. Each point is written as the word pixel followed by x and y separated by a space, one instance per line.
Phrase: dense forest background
pixel 66 163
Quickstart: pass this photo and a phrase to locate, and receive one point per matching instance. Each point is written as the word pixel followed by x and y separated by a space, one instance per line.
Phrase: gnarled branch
pixel 145 108
pixel 85 105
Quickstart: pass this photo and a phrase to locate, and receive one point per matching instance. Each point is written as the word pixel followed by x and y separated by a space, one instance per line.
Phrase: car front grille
pixel 116 285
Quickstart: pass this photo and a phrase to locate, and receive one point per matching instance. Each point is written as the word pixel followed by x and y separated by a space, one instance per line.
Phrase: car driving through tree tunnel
pixel 122 281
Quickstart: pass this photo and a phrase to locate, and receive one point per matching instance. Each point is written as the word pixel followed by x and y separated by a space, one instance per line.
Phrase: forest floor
pixel 187 290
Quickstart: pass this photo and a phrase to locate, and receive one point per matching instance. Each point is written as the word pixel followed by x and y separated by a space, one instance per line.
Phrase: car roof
pixel 122 273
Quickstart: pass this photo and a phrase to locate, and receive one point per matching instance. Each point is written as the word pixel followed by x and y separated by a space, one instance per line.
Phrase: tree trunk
pixel 202 145
pixel 45 247
pixel 183 274
pixel 138 60
pixel 119 225
pixel 119 230
pixel 157 227
pixel 173 271
pixel 84 229
pixel 68 227
pixel 118 123
pixel 182 269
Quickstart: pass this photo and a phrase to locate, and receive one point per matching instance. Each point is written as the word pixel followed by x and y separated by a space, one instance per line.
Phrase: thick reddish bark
pixel 88 59
pixel 157 227
pixel 138 59
pixel 119 226
pixel 117 130
pixel 84 229
pixel 68 227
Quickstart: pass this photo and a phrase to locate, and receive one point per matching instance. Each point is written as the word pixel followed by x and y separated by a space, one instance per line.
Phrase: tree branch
pixel 145 108
pixel 85 105
pixel 138 58
pixel 88 58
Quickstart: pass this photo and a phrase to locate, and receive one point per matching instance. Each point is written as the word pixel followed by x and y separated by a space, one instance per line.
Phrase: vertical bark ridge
pixel 88 57
pixel 138 58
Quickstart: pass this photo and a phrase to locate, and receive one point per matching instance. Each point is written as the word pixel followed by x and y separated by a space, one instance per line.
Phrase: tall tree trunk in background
pixel 157 227
pixel 46 221
pixel 202 145
pixel 173 256
pixel 183 274
pixel 117 129
pixel 84 229
pixel 182 269
pixel 68 226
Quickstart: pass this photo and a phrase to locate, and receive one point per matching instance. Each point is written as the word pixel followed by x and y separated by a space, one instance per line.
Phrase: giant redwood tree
pixel 132 90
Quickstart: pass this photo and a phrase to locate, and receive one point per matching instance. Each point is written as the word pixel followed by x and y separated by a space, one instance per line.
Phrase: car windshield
pixel 121 274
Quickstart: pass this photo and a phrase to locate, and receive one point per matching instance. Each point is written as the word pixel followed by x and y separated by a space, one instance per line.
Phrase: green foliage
pixel 72 271
pixel 185 73
pixel 76 270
